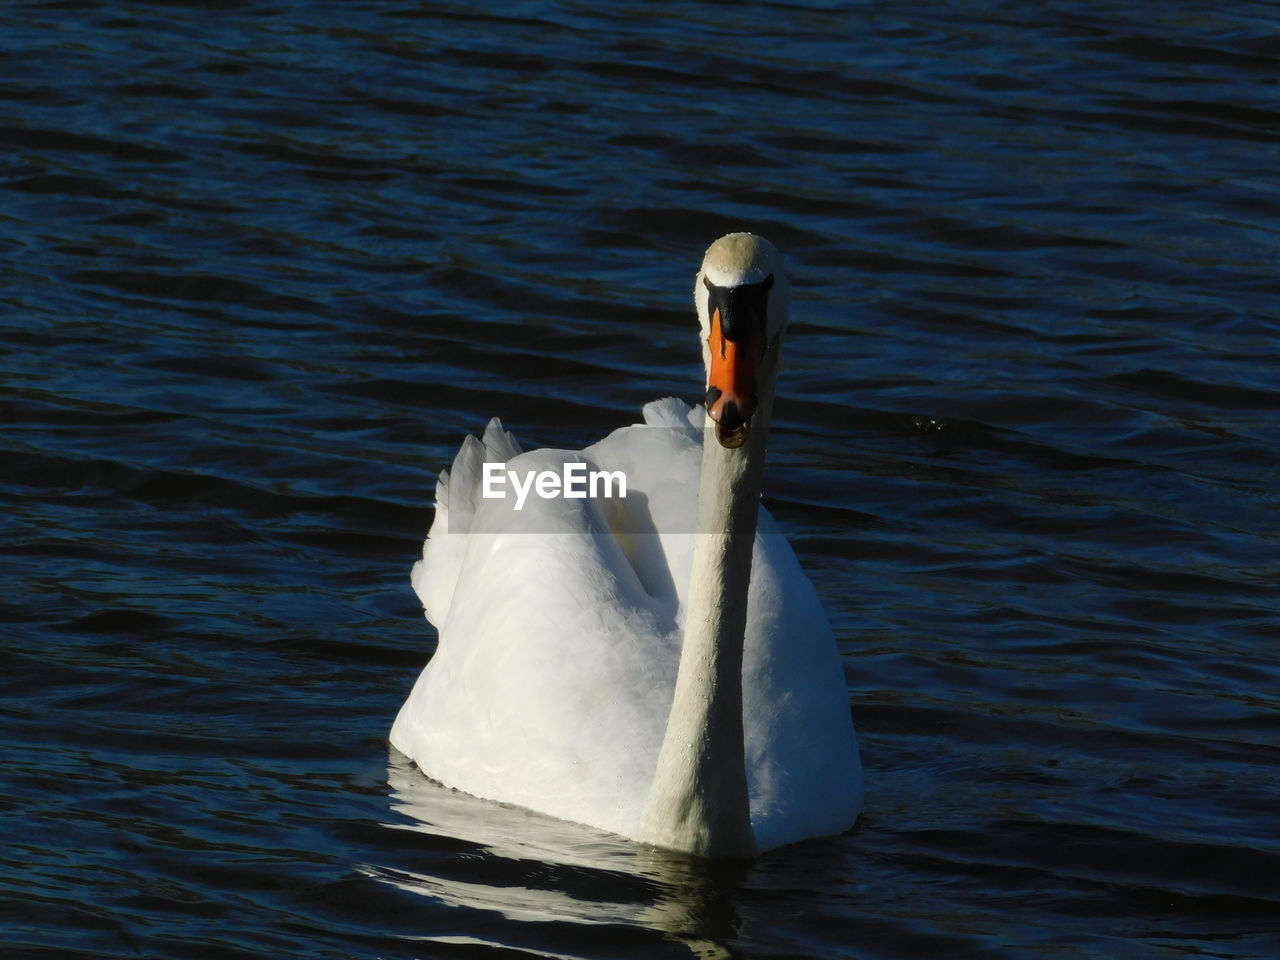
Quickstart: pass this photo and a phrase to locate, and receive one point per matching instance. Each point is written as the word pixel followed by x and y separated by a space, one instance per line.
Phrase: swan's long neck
pixel 698 800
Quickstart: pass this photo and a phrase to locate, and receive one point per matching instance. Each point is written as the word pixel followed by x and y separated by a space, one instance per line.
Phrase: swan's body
pixel 563 625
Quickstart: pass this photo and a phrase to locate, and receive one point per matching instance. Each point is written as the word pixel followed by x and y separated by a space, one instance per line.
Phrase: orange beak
pixel 731 384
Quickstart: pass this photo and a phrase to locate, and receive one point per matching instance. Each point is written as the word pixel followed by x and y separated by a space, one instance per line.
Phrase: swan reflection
pixel 528 867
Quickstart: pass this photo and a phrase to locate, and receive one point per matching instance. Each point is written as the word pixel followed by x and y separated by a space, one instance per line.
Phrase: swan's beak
pixel 731 382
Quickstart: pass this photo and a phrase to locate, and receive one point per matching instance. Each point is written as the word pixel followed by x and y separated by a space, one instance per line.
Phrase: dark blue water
pixel 263 262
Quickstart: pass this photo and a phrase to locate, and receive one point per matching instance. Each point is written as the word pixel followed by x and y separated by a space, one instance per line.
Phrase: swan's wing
pixel 803 769
pixel 660 461
pixel 553 675
pixel 552 679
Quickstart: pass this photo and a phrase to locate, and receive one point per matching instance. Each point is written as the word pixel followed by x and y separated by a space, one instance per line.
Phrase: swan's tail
pixel 457 489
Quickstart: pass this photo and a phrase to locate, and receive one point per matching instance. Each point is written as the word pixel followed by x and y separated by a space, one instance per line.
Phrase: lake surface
pixel 265 263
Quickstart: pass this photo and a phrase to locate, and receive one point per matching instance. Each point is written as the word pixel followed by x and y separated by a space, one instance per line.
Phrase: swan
pixel 646 658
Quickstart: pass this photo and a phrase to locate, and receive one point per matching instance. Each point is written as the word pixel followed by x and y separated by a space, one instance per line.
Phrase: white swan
pixel 601 658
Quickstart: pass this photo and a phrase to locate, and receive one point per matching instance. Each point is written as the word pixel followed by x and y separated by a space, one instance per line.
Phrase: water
pixel 263 264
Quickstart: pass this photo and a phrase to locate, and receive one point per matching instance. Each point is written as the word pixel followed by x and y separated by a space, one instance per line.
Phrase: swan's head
pixel 742 295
